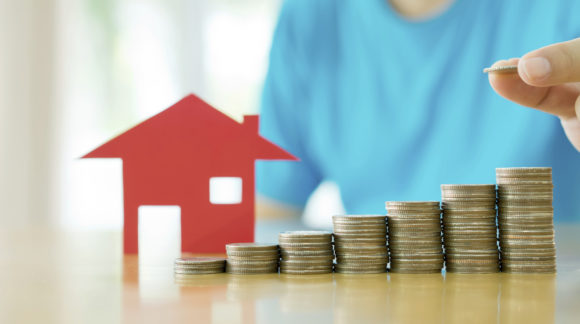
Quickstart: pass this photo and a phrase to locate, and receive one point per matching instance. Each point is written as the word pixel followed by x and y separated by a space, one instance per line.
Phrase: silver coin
pixel 415 204
pixel 250 271
pixel 307 252
pixel 472 270
pixel 359 218
pixel 251 262
pixel 307 245
pixel 200 260
pixel 251 247
pixel 327 268
pixel 308 234
pixel 468 187
pixel 501 69
pixel 198 271
pixel 524 170
pixel 306 271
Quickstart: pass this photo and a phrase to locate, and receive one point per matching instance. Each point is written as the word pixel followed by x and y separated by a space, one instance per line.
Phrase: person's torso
pixel 399 108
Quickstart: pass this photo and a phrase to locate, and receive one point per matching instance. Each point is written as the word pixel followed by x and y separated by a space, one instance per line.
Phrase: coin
pixel 306 234
pixel 501 69
pixel 271 253
pixel 525 219
pixel 360 268
pixel 251 247
pixel 305 245
pixel 361 249
pixel 469 228
pixel 360 242
pixel 247 271
pixel 358 218
pixel 306 264
pixel 524 171
pixel 200 261
pixel 199 265
pixel 306 252
pixel 305 271
pixel 198 271
pixel 297 237
pixel 414 233
pixel 252 258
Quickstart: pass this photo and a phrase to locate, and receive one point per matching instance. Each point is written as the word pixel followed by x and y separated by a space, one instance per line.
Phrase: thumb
pixel 551 65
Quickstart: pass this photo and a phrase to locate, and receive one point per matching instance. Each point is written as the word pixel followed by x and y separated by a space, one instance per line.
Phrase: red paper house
pixel 170 158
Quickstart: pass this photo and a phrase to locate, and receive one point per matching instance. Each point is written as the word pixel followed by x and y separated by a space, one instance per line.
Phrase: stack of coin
pixel 199 265
pixel 252 258
pixel 469 228
pixel 360 242
pixel 306 252
pixel 525 219
pixel 415 236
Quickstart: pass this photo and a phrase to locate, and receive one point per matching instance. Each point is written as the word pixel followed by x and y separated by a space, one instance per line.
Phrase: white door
pixel 159 235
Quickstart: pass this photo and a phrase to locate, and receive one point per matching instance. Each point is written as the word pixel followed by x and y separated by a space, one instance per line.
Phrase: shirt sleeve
pixel 283 119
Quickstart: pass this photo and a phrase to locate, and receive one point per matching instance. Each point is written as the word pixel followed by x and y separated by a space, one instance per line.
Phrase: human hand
pixel 548 79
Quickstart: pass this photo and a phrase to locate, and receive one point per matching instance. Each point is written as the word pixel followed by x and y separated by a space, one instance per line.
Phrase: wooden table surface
pixel 49 276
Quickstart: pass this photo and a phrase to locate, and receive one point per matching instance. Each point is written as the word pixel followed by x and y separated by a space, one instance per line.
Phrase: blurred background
pixel 74 73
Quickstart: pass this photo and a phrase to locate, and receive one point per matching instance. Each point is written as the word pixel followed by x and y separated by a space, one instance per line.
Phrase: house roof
pixel 192 122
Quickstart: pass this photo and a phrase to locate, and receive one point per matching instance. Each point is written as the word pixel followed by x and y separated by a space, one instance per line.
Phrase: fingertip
pixel 534 70
pixel 552 65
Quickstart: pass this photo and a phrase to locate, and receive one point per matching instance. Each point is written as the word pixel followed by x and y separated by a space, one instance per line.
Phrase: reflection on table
pixel 344 298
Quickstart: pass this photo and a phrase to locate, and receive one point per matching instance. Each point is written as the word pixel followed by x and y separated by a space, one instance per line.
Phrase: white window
pixel 225 190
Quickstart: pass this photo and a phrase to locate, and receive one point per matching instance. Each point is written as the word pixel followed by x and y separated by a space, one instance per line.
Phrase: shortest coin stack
pixel 306 252
pixel 415 236
pixel 360 242
pixel 199 265
pixel 252 258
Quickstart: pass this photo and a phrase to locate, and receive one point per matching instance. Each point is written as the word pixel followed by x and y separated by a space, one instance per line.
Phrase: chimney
pixel 252 123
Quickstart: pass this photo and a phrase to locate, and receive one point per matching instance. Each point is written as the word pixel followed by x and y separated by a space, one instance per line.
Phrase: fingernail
pixel 536 68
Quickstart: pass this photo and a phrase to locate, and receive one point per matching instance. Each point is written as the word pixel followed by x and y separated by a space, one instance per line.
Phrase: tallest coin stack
pixel 526 219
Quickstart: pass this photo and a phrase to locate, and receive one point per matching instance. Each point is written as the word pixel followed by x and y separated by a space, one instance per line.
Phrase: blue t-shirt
pixel 390 109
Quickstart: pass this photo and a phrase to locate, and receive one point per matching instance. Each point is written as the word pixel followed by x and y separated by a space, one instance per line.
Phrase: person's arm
pixel 548 79
pixel 284 186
